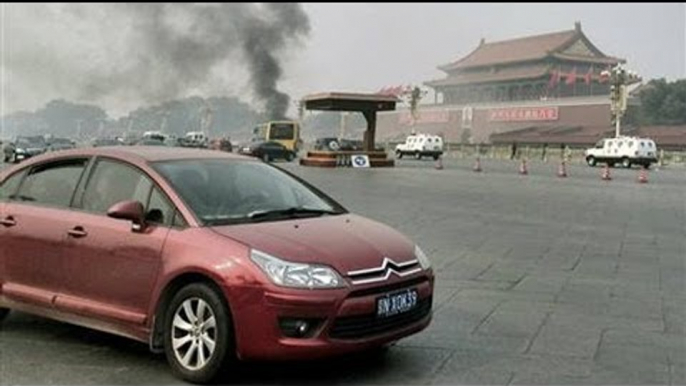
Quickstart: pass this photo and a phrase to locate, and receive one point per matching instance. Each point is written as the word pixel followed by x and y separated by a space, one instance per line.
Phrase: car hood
pixel 346 242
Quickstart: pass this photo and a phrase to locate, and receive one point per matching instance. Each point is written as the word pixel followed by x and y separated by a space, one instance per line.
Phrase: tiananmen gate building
pixel 549 83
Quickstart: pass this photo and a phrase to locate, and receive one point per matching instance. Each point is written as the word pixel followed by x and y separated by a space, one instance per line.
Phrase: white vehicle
pixel 154 135
pixel 420 145
pixel 623 150
pixel 197 137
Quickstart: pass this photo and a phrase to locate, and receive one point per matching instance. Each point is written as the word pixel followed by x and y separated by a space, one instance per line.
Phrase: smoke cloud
pixel 154 52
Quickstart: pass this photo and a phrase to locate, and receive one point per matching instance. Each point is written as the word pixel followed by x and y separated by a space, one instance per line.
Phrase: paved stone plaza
pixel 540 280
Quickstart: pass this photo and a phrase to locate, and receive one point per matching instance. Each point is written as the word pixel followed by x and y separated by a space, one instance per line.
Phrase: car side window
pixel 9 187
pixel 159 210
pixel 52 183
pixel 112 182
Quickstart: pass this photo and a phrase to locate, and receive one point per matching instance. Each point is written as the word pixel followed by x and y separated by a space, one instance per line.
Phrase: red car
pixel 204 255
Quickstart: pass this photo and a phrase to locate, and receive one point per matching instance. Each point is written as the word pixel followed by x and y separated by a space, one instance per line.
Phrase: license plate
pixel 396 303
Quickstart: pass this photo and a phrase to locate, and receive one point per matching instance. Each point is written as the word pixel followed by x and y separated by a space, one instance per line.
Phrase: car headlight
pixel 421 256
pixel 296 275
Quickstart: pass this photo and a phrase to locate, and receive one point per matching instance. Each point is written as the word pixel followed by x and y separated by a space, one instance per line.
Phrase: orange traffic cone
pixel 643 176
pixel 439 164
pixel 522 168
pixel 562 170
pixel 606 173
pixel 477 165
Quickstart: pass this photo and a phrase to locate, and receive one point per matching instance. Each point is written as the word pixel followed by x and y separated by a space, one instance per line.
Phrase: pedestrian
pixel 514 150
pixel 562 151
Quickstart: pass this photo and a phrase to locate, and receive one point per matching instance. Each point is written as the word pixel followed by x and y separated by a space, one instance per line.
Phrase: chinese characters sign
pixel 524 114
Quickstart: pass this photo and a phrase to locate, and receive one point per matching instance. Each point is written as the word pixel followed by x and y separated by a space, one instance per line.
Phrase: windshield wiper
pixel 289 212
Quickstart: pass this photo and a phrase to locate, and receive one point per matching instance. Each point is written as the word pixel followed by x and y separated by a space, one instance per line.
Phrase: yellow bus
pixel 286 133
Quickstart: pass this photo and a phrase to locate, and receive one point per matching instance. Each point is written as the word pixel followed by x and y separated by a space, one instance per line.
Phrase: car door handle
pixel 77 232
pixel 8 221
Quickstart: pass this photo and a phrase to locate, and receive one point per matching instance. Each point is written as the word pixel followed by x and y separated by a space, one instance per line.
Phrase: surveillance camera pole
pixel 619 80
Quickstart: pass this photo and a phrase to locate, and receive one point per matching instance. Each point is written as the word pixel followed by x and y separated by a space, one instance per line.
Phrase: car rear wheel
pixel 436 157
pixel 626 162
pixel 399 154
pixel 198 338
pixel 265 157
pixel 418 155
pixel 3 313
pixel 289 157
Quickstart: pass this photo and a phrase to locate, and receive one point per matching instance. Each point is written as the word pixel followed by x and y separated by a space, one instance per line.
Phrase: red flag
pixel 587 77
pixel 554 78
pixel 571 77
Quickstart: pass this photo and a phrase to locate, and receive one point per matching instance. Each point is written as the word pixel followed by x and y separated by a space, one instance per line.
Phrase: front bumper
pixel 257 310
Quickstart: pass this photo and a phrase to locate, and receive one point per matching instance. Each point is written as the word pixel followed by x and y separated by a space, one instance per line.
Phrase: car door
pixel 35 218
pixel 112 267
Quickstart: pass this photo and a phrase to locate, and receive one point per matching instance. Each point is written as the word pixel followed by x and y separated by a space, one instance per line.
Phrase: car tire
pixel 399 154
pixel 189 334
pixel 290 157
pixel 3 313
pixel 436 157
pixel 647 165
pixel 591 161
pixel 611 164
pixel 265 158
pixel 626 163
pixel 418 155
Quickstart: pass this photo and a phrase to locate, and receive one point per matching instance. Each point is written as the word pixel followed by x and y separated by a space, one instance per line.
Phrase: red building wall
pixel 486 120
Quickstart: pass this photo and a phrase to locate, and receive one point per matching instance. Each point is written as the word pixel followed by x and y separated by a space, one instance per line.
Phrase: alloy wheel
pixel 194 334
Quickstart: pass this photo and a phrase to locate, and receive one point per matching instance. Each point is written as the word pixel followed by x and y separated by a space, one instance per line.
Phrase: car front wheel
pixel 591 161
pixel 265 157
pixel 199 338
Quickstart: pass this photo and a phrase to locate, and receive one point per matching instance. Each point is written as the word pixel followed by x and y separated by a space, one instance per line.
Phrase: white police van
pixel 626 151
pixel 420 145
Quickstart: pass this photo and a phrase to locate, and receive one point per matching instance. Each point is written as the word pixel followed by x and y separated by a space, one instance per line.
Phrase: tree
pixel 663 103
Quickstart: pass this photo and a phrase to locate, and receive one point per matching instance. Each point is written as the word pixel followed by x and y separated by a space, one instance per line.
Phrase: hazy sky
pixel 351 47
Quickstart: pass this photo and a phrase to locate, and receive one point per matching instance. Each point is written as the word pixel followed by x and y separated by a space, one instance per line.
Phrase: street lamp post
pixel 620 78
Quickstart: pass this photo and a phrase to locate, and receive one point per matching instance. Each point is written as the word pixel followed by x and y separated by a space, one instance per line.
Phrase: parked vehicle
pixel 267 151
pixel 337 144
pixel 100 142
pixel 205 256
pixel 196 139
pixel 56 144
pixel 421 145
pixel 626 151
pixel 152 141
pixel 24 147
pixel 287 133
pixel 221 144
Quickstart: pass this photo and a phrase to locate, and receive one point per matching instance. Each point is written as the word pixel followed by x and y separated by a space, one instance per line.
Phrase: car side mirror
pixel 129 210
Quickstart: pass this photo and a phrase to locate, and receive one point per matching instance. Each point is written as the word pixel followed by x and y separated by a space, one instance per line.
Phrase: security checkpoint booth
pixel 366 104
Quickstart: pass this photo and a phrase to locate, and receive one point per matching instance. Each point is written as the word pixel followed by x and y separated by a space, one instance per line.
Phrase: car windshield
pixel 225 191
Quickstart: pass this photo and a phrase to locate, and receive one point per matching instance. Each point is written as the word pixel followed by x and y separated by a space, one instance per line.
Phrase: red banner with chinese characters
pixel 524 114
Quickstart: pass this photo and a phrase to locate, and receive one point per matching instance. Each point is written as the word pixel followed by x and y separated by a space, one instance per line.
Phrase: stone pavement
pixel 540 280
